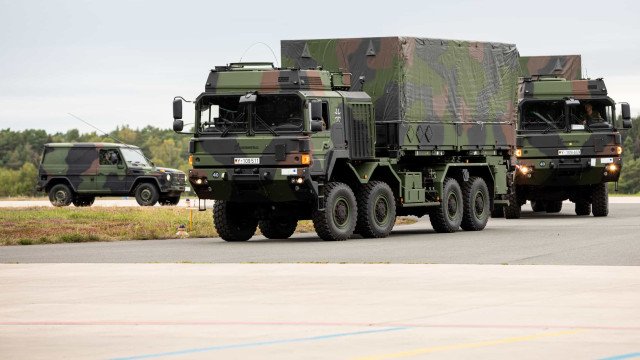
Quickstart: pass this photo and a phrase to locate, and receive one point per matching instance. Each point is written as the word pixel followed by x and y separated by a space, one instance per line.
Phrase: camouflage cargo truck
pixel 568 139
pixel 78 172
pixel 352 132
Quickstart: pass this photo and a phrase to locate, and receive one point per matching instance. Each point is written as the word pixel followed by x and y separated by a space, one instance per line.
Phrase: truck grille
pixel 361 137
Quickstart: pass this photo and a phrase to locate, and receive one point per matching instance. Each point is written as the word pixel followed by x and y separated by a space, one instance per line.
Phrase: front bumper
pixel 568 171
pixel 253 184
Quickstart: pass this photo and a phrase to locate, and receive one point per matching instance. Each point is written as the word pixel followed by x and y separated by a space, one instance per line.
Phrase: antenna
pixel 261 43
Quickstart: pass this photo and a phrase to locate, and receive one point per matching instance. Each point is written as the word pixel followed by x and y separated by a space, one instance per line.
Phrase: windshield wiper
pixel 267 126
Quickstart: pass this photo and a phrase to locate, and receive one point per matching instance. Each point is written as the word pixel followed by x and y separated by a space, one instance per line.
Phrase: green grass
pixel 40 225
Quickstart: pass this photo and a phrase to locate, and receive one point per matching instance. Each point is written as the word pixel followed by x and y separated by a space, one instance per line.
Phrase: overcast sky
pixel 122 62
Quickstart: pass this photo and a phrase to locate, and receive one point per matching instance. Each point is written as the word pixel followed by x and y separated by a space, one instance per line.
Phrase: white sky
pixel 122 62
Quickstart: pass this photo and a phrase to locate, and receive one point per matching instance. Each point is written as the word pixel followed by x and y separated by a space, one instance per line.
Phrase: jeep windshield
pixel 225 114
pixel 134 157
pixel 562 115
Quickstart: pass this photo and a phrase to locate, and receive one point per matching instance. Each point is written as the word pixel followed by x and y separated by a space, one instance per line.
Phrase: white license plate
pixel 289 171
pixel 569 152
pixel 246 161
pixel 606 160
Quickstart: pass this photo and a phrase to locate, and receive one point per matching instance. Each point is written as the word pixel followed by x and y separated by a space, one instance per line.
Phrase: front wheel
pixel 537 206
pixel 447 217
pixel 376 210
pixel 278 228
pixel 338 220
pixel 232 222
pixel 514 209
pixel 475 194
pixel 147 194
pixel 60 195
pixel 600 200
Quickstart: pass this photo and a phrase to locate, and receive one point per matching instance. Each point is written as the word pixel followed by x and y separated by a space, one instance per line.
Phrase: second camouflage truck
pixel 569 144
pixel 352 133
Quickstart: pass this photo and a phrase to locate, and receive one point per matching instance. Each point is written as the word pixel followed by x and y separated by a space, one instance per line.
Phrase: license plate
pixel 569 152
pixel 246 161
pixel 289 171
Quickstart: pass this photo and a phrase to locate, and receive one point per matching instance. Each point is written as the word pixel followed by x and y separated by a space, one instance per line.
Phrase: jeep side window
pixel 109 157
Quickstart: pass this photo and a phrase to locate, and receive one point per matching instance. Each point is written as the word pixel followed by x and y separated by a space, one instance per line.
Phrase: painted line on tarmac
pixel 310 323
pixel 258 344
pixel 624 356
pixel 460 346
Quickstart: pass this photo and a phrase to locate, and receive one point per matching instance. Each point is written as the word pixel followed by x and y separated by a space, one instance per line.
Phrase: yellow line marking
pixel 441 348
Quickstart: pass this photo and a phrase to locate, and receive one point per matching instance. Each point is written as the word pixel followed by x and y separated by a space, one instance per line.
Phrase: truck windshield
pixel 272 113
pixel 134 157
pixel 551 115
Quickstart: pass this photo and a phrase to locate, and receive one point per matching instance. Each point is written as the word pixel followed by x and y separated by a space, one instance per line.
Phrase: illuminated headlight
pixel 525 170
pixel 199 181
pixel 168 177
pixel 297 180
pixel 518 152
pixel 612 168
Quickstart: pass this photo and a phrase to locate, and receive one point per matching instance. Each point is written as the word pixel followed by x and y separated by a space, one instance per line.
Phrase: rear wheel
pixel 553 207
pixel 475 195
pixel 338 220
pixel 376 210
pixel 278 228
pixel 447 217
pixel 600 200
pixel 583 208
pixel 60 195
pixel 147 194
pixel 537 206
pixel 231 221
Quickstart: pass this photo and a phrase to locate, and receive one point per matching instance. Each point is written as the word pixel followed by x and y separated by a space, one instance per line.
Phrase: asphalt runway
pixel 536 238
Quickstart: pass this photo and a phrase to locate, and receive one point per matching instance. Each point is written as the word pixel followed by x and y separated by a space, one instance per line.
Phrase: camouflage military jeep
pixel 77 173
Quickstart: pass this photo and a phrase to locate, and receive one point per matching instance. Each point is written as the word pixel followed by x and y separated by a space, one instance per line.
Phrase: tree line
pixel 20 153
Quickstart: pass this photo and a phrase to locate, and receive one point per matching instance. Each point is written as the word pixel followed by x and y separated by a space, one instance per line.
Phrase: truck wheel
pixel 513 210
pixel 600 200
pixel 231 221
pixel 147 194
pixel 583 208
pixel 338 220
pixel 60 195
pixel 475 196
pixel 376 210
pixel 279 228
pixel 553 207
pixel 82 201
pixel 447 217
pixel 537 206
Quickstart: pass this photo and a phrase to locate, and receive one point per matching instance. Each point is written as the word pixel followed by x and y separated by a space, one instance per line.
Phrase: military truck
pixel 78 172
pixel 568 139
pixel 427 127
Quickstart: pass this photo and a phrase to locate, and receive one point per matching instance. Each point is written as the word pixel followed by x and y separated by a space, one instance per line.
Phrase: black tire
pixel 60 195
pixel 147 194
pixel 278 228
pixel 537 206
pixel 583 208
pixel 83 201
pixel 231 221
pixel 447 217
pixel 553 207
pixel 600 200
pixel 497 212
pixel 376 210
pixel 514 209
pixel 476 202
pixel 338 220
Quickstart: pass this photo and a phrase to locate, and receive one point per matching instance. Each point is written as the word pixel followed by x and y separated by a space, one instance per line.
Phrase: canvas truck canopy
pixel 564 66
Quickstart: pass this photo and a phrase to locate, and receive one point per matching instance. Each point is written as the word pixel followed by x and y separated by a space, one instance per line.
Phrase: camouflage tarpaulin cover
pixel 565 66
pixel 420 79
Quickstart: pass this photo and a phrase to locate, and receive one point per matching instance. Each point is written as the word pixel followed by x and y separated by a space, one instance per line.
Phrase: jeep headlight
pixel 168 177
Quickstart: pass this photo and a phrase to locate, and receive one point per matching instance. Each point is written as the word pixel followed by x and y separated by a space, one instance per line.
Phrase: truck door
pixel 112 172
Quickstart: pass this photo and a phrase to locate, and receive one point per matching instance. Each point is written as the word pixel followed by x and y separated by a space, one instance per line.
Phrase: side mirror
pixel 316 125
pixel 316 110
pixel 626 115
pixel 178 125
pixel 177 111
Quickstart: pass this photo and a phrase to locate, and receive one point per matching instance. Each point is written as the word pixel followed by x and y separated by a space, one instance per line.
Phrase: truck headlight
pixel 168 177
